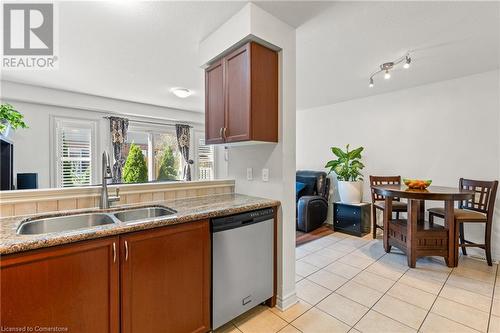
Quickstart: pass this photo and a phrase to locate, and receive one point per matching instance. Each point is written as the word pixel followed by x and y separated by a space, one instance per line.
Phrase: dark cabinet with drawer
pixel 353 219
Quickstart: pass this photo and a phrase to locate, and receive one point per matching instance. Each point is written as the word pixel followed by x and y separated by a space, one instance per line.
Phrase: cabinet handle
pixel 114 252
pixel 224 132
pixel 126 250
pixel 220 132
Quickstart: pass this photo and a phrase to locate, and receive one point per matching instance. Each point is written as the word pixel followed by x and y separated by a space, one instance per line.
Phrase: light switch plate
pixel 265 175
pixel 249 174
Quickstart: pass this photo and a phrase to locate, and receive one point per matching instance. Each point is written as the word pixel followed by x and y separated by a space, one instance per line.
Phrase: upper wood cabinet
pixel 241 96
pixel 72 286
pixel 165 279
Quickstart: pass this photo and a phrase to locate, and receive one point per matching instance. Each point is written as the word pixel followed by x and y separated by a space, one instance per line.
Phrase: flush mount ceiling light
pixel 181 92
pixel 388 66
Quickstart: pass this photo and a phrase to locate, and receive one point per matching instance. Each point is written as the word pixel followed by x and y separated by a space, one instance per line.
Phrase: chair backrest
pixel 383 180
pixel 485 193
pixel 317 182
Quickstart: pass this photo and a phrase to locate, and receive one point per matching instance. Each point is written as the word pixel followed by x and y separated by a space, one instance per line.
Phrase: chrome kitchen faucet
pixel 107 174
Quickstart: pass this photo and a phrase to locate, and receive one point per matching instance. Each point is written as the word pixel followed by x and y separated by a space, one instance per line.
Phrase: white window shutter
pixel 74 155
pixel 205 161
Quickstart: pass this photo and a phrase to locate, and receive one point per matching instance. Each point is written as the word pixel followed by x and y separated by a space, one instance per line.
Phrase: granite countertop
pixel 188 209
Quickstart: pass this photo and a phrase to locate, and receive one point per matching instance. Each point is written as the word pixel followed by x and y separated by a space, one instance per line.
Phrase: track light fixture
pixel 386 67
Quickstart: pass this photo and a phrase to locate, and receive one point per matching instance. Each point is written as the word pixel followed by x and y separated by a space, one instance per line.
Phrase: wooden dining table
pixel 415 236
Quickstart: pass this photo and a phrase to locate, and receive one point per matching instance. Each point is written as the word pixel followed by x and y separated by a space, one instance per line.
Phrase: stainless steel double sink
pixel 74 222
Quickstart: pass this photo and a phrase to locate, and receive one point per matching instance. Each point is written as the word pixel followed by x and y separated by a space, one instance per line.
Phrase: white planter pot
pixel 7 131
pixel 350 192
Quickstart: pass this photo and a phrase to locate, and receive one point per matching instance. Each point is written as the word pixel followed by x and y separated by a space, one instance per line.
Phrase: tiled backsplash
pixel 13 203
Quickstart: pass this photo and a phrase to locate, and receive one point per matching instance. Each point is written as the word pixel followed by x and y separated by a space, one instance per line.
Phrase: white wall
pixel 278 158
pixel 441 131
pixel 39 104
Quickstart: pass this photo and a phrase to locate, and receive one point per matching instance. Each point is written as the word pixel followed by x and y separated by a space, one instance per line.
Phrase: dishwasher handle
pixel 241 220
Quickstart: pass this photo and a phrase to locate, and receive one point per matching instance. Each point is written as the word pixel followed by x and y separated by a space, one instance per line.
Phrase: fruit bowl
pixel 417 184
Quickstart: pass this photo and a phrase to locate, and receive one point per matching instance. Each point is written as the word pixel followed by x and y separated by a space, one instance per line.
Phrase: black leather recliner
pixel 312 201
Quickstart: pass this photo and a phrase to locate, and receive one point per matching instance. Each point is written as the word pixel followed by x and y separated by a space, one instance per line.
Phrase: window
pixel 206 168
pixel 75 155
pixel 159 149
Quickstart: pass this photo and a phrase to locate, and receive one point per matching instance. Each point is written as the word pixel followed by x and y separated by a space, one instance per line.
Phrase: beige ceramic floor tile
pixel 497 290
pixel 289 329
pixel 495 309
pixel 336 236
pixel 313 246
pixel 475 264
pixel 259 320
pixel 494 325
pixel 304 269
pixel 460 313
pixel 325 241
pixel 300 252
pixel 342 269
pixel 343 308
pixel 388 270
pixel 373 250
pixel 317 321
pixel 475 286
pixel 354 242
pixel 421 281
pixel 359 293
pixel 488 277
pixel 395 259
pixel 406 313
pixel 327 279
pixel 432 272
pixel 412 295
pixel 466 297
pixel 298 277
pixel 342 247
pixel 317 260
pixel 331 254
pixel 228 328
pixel 311 292
pixel 292 312
pixel 374 322
pixel 437 324
pixel 357 261
pixel 373 281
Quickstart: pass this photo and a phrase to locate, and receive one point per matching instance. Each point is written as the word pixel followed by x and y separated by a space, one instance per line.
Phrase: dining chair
pixel 378 201
pixel 476 210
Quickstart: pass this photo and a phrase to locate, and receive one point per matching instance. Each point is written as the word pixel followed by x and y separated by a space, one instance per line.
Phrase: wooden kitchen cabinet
pixel 73 286
pixel 165 279
pixel 241 96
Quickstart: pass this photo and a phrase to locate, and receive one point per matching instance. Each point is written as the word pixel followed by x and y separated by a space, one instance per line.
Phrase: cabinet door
pixel 237 81
pixel 166 279
pixel 214 103
pixel 72 286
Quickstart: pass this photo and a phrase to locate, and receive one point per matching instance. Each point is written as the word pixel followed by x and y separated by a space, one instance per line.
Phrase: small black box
pixel 27 181
pixel 353 219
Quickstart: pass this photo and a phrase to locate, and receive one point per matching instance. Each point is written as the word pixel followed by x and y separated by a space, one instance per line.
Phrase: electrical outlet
pixel 265 175
pixel 249 174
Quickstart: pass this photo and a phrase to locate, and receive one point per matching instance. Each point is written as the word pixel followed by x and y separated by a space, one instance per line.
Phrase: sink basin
pixel 63 223
pixel 143 213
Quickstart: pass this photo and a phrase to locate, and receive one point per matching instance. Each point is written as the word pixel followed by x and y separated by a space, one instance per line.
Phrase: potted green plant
pixel 348 168
pixel 10 119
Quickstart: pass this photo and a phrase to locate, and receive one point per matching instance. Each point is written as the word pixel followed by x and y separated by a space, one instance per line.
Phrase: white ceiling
pixel 139 50
pixel 339 49
pixel 132 50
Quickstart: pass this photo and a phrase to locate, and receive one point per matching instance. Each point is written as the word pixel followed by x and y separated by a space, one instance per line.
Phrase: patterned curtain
pixel 118 128
pixel 183 140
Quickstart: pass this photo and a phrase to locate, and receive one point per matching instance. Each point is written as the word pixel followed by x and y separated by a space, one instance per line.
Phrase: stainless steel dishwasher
pixel 242 263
